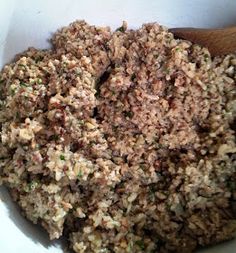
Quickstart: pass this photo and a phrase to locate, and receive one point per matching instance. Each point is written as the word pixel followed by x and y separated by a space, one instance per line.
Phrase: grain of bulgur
pixel 124 140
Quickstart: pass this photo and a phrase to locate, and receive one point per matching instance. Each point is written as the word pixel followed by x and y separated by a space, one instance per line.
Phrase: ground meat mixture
pixel 122 141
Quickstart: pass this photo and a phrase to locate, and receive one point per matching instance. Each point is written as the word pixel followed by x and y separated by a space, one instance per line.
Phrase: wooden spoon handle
pixel 218 41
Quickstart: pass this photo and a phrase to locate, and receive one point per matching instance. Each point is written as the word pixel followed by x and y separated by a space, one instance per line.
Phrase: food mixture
pixel 122 141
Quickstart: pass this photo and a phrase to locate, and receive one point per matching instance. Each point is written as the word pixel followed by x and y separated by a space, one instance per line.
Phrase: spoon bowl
pixel 218 41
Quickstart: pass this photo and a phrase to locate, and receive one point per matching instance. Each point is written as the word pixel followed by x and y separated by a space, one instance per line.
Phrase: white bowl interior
pixel 30 23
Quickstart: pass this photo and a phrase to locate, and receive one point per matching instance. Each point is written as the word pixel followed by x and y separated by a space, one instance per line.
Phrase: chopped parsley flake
pixel 80 174
pixel 17 115
pixel 81 122
pixel 24 84
pixel 115 128
pixel 141 244
pixel 22 66
pixel 91 143
pixel 55 137
pixel 78 73
pixel 38 59
pixel 39 80
pixel 206 57
pixel 133 77
pixel 129 114
pixel 142 166
pixel 167 71
pixel 13 91
pixel 121 29
pixel 33 185
pixel 62 157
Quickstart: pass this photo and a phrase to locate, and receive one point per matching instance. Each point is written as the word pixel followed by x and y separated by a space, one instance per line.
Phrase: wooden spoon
pixel 218 41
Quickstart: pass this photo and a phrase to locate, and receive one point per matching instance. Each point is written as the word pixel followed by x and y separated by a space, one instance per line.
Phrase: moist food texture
pixel 122 141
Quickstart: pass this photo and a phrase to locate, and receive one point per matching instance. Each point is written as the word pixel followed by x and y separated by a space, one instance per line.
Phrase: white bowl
pixel 30 23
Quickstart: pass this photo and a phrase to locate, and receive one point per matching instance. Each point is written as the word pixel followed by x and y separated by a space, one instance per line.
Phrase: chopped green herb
pixel 120 29
pixel 129 114
pixel 91 143
pixel 206 57
pixel 133 76
pixel 55 137
pixel 130 246
pixel 141 244
pixel 39 80
pixel 177 49
pixel 80 174
pixel 167 71
pixel 152 189
pixel 62 157
pixel 142 166
pixel 159 146
pixel 81 122
pixel 27 188
pixel 24 84
pixel 113 92
pixel 22 65
pixel 112 187
pixel 152 196
pixel 13 91
pixel 33 185
pixel 17 115
pixel 78 73
pixel 106 136
pixel 26 97
pixel 114 128
pixel 38 59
